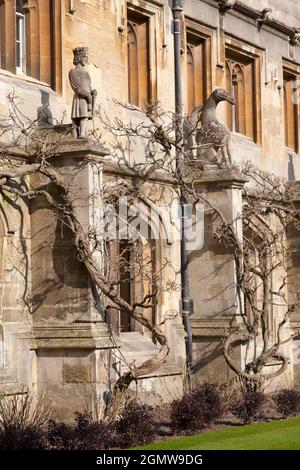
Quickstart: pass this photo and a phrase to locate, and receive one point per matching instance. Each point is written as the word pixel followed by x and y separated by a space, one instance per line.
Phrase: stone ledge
pixel 211 174
pixel 9 385
pixel 6 378
pixel 165 370
pixel 70 337
pixel 64 145
pixel 12 389
pixel 71 343
pixel 64 329
pixel 67 145
pixel 81 148
pixel 215 327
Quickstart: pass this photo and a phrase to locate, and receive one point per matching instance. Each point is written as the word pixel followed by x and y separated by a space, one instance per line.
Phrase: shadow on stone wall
pixel 59 279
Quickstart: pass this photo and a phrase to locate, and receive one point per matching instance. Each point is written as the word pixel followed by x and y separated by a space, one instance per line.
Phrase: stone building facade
pixel 52 336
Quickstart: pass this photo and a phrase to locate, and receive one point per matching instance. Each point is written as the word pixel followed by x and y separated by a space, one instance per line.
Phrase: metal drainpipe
pixel 186 302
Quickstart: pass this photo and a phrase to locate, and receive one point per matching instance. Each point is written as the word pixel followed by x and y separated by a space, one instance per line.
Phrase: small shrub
pixel 60 436
pixel 248 406
pixel 197 408
pixel 185 413
pixel 287 402
pixel 25 438
pixel 136 425
pixel 209 400
pixel 22 422
pixel 85 434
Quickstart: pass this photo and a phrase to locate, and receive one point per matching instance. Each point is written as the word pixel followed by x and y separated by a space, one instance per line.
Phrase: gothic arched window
pixel 196 71
pixel 240 83
pixel 20 37
pixel 290 111
pixel 30 39
pixel 229 110
pixel 190 78
pixel 132 264
pixel 133 268
pixel 138 59
pixel 238 86
pixel 132 58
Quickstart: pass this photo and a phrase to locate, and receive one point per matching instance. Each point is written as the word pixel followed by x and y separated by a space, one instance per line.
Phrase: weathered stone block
pixel 77 373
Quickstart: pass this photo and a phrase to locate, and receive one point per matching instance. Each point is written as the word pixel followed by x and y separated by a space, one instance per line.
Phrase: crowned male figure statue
pixel 84 97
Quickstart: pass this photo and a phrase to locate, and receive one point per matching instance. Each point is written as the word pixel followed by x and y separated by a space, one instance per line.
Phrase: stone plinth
pixel 293 239
pixel 212 276
pixel 60 284
pixel 69 337
pixel 71 366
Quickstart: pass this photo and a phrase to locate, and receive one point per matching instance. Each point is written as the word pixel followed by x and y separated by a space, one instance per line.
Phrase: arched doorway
pixel 133 265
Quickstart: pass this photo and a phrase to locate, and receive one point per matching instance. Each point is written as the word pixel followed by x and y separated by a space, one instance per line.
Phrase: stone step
pixel 9 385
pixel 136 349
pixel 135 343
pixel 165 370
pixel 139 348
pixel 132 336
pixel 138 359
pixel 5 378
pixel 146 348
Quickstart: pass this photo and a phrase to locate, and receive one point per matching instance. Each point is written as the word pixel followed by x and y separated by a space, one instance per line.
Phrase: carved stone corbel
pixel 265 17
pixel 225 5
pixel 295 37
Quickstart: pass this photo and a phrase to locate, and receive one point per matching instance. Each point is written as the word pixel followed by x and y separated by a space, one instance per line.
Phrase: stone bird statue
pixel 212 137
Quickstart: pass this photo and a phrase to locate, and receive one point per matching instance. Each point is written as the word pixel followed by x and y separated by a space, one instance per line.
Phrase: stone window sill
pixel 23 78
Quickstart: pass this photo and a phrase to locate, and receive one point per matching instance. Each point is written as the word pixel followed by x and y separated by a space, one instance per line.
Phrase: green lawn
pixel 274 435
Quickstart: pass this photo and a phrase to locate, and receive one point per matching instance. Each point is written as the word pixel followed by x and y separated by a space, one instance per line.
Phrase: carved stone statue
pixel 84 97
pixel 212 137
pixel 295 37
pixel 225 5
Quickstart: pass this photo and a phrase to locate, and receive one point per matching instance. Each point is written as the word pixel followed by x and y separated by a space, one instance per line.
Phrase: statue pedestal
pixel 212 276
pixel 293 291
pixel 69 336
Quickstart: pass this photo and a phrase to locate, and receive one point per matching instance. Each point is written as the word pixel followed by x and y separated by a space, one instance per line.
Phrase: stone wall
pixel 58 343
pixel 108 67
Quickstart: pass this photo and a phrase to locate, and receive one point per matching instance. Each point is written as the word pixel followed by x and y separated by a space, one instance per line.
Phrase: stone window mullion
pixel 242 84
pixel 32 39
pixel 45 25
pixel 8 35
pixel 198 63
pixel 138 59
pixel 290 110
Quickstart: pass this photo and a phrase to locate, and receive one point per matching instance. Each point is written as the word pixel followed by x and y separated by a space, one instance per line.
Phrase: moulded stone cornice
pixel 256 15
pixel 216 326
pixel 212 175
pixel 70 336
